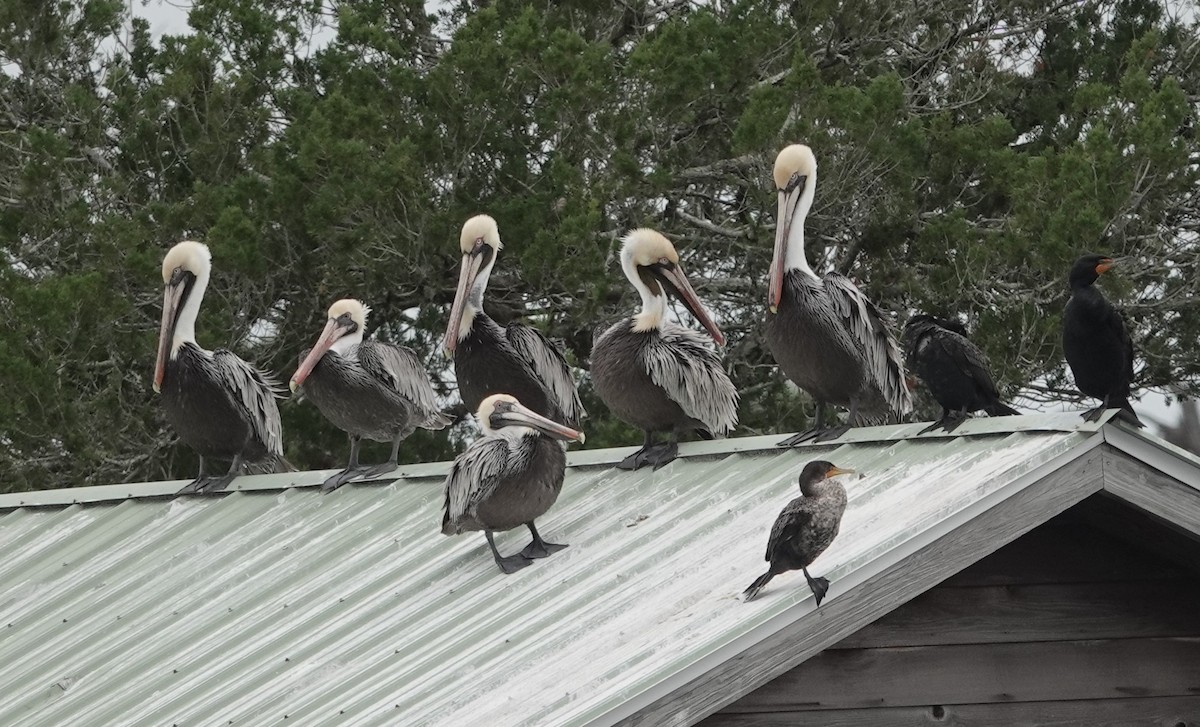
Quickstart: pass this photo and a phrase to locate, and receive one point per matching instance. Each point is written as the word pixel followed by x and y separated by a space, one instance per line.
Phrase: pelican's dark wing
pixel 550 368
pixel 686 367
pixel 255 392
pixel 875 340
pixel 398 368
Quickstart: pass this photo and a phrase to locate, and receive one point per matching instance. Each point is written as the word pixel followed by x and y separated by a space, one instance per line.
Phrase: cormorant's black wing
pixel 795 518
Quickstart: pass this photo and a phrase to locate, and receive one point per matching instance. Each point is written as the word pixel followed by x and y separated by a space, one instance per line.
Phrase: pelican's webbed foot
pixel 337 480
pixel 508 564
pixel 819 586
pixel 830 434
pixel 539 548
pixel 378 471
pixel 657 455
pixel 800 438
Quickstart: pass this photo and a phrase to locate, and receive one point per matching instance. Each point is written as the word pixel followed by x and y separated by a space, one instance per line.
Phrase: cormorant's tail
pixel 1000 409
pixel 1127 414
pixel 757 585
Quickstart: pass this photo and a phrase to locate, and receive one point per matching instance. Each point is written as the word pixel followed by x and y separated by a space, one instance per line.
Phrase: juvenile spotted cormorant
pixel 1097 343
pixel 806 527
pixel 953 368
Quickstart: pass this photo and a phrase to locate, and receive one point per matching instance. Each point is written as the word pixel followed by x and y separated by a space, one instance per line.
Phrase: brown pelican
pixel 508 477
pixel 826 336
pixel 805 528
pixel 366 388
pixel 953 368
pixel 489 359
pixel 655 374
pixel 1096 342
pixel 221 406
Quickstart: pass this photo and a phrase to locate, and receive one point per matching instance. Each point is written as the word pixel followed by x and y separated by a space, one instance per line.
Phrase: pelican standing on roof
pixel 221 406
pixel 826 336
pixel 367 389
pixel 488 359
pixel 508 477
pixel 655 374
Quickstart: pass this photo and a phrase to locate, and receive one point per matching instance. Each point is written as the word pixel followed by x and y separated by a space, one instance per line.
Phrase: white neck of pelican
pixel 795 259
pixel 343 345
pixel 185 324
pixel 474 302
pixel 654 307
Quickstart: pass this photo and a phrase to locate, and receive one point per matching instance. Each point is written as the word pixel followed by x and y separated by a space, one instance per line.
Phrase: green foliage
pixel 968 153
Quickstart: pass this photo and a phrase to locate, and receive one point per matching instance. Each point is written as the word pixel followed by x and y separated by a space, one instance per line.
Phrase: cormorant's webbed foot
pixel 819 586
pixel 337 480
pixel 1093 415
pixel 508 564
pixel 949 422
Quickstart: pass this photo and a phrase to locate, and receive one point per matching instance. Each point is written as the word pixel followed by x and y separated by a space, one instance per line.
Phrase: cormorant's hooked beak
pixel 789 199
pixel 333 331
pixel 835 471
pixel 172 300
pixel 678 283
pixel 522 416
pixel 472 262
pixel 1105 265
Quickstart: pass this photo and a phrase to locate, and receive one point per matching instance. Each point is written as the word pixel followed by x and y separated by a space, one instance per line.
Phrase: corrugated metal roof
pixel 272 606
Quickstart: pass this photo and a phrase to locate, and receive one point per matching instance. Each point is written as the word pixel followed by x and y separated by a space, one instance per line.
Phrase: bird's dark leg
pixel 216 484
pixel 1093 415
pixel 832 433
pixel 955 419
pixel 810 433
pixel 638 458
pixel 537 547
pixel 390 465
pixel 353 469
pixel 665 452
pixel 819 586
pixel 195 485
pixel 951 420
pixel 510 564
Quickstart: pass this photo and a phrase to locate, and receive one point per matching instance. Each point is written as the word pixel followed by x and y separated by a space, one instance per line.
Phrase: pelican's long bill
pixel 471 264
pixel 789 199
pixel 520 415
pixel 172 297
pixel 333 331
pixel 678 284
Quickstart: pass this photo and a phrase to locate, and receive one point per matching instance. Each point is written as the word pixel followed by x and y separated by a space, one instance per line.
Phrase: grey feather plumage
pixel 833 342
pixel 549 366
pixel 399 369
pixel 874 339
pixel 256 393
pixel 504 479
pixel 690 372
